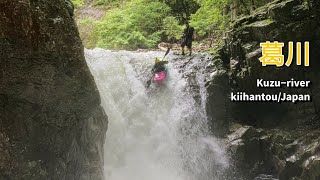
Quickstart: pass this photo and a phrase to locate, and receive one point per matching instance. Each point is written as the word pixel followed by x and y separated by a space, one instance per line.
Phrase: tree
pixel 172 28
pixel 209 16
pixel 137 24
pixel 182 9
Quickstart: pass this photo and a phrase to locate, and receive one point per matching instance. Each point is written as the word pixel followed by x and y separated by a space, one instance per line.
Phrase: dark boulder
pixel 51 122
pixel 283 154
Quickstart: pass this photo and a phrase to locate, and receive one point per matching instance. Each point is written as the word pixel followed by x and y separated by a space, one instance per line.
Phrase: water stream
pixel 159 133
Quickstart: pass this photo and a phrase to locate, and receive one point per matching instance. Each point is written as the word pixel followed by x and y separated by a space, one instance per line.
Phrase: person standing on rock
pixel 187 38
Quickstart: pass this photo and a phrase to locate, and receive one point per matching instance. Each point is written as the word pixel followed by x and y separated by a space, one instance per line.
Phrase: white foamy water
pixel 158 133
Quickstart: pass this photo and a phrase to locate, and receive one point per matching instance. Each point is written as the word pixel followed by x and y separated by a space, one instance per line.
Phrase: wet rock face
pixel 283 21
pixel 284 154
pixel 51 122
pixel 237 66
pixel 274 140
pixel 209 85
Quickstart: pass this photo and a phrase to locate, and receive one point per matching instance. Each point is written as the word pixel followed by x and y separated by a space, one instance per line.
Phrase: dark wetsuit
pixel 188 37
pixel 160 66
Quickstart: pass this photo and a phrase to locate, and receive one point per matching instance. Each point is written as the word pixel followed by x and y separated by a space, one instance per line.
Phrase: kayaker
pixel 159 66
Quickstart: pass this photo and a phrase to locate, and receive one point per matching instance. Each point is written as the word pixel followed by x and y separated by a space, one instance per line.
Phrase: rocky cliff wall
pixel 281 21
pixel 280 139
pixel 51 122
pixel 237 62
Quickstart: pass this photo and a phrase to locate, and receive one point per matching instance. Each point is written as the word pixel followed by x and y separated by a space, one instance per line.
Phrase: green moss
pixel 262 23
pixel 88 27
pixel 78 3
pixel 106 2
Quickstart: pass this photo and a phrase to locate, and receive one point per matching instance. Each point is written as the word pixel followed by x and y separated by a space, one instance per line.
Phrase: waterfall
pixel 155 133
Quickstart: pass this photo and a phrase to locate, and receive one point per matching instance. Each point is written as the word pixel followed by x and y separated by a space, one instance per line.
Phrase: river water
pixel 156 133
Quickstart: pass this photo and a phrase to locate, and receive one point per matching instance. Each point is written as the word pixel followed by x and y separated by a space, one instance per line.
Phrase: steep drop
pixel 160 133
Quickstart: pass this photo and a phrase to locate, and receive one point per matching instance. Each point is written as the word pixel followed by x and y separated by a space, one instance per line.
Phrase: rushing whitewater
pixel 159 133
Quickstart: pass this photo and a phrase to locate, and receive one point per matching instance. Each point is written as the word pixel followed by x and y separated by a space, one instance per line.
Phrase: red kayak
pixel 159 77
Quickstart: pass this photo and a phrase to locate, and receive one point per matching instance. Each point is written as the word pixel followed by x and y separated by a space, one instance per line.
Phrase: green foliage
pixel 87 25
pixel 209 16
pixel 132 24
pixel 77 3
pixel 137 24
pixel 182 9
pixel 172 28
pixel 106 2
pixel 88 21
